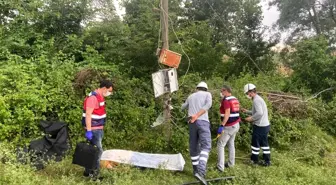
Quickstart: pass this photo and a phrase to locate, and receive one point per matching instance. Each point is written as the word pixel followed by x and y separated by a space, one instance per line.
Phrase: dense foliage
pixel 52 53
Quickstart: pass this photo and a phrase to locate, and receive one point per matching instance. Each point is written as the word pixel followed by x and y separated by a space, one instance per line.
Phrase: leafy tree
pixel 313 65
pixel 305 16
pixel 110 38
pixel 220 14
pixel 252 52
pixel 103 10
pixel 29 23
pixel 205 59
pixel 143 22
pixel 57 18
pixel 237 26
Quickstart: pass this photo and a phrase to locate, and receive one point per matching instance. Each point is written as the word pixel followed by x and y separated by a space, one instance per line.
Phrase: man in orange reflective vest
pixel 93 120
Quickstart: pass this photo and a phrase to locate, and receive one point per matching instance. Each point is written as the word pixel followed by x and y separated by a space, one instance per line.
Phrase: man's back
pixel 260 112
pixel 197 101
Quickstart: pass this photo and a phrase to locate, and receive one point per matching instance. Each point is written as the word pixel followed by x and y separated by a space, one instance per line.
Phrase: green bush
pixel 323 115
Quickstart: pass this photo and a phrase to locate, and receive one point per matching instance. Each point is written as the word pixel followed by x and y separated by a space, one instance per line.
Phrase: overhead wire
pixel 180 43
pixel 182 49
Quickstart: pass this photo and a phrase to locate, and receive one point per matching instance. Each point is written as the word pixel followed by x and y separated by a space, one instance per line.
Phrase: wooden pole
pixel 165 40
pixel 164 23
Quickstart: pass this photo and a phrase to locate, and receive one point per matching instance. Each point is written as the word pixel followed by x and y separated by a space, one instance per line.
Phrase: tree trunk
pixel 315 20
pixel 331 11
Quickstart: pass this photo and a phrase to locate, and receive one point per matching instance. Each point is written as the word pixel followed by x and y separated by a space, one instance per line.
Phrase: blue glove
pixel 89 135
pixel 220 129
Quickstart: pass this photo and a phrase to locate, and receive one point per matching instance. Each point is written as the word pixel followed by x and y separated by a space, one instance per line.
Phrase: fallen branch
pixel 280 95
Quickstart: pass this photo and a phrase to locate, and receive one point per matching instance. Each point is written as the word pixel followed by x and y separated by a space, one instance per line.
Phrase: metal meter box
pixel 165 81
pixel 158 83
pixel 170 58
pixel 173 83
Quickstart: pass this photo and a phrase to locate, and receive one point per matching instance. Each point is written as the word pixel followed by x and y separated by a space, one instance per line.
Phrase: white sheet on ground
pixel 162 161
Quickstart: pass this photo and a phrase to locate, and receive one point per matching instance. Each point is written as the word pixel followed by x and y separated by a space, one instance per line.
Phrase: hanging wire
pixel 180 43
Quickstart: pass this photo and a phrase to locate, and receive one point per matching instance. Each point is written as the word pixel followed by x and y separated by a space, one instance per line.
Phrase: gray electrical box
pixel 165 81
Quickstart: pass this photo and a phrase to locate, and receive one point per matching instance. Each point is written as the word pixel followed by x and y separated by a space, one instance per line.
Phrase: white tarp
pixel 162 161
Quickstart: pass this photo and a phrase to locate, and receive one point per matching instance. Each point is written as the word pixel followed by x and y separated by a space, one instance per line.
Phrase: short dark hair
pixel 202 88
pixel 227 88
pixel 106 83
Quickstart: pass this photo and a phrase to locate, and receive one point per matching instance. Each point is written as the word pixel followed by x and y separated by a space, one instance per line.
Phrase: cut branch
pixel 281 95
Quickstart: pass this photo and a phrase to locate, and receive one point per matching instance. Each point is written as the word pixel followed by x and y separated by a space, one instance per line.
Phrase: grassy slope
pixel 299 165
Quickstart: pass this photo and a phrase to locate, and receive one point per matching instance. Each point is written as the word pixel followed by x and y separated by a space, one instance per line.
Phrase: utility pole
pixel 165 40
pixel 166 98
pixel 164 23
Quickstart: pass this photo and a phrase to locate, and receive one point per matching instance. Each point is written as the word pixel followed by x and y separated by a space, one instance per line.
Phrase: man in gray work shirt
pixel 261 125
pixel 198 105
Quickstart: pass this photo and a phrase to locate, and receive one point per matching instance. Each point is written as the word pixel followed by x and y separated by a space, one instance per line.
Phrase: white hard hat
pixel 202 84
pixel 249 87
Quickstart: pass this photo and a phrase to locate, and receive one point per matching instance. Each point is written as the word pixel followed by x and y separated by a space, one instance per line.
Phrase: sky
pixel 271 15
pixel 120 10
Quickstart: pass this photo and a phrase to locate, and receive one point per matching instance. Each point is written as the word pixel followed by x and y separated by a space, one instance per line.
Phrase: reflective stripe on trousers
pixel 260 140
pixel 199 145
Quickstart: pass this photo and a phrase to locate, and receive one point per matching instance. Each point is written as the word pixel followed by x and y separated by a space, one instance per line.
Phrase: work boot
pixel 266 164
pixel 201 179
pixel 96 178
pixel 93 175
pixel 87 174
pixel 253 163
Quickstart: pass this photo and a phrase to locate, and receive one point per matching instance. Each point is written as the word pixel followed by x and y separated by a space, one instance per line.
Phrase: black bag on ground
pixel 86 155
pixel 54 145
